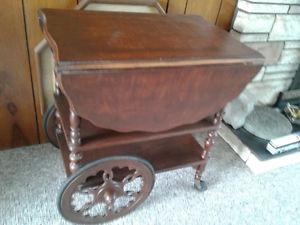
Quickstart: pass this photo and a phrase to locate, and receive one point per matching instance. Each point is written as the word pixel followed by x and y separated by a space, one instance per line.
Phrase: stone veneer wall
pixel 273 28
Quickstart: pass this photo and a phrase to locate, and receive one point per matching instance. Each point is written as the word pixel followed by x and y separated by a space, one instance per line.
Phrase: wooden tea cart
pixel 130 90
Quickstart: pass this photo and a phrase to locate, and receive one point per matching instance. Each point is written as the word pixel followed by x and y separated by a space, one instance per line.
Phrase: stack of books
pixel 284 144
pixel 255 151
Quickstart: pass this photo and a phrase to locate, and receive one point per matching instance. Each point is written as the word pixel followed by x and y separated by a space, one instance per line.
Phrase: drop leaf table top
pixel 89 40
pixel 145 72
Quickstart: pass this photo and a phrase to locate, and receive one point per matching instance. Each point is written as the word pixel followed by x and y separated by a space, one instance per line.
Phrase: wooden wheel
pixel 106 189
pixel 49 124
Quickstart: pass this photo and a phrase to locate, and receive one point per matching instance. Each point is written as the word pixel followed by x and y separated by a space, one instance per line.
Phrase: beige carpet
pixel 31 177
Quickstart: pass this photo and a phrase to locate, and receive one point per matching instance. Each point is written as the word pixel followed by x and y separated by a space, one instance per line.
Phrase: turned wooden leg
pixel 58 127
pixel 57 92
pixel 209 141
pixel 56 86
pixel 75 140
pixel 198 183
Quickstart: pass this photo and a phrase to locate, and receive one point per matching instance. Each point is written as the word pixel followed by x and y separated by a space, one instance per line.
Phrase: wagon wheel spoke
pixel 131 194
pixel 109 207
pixel 107 175
pixel 87 206
pixel 130 177
pixel 90 191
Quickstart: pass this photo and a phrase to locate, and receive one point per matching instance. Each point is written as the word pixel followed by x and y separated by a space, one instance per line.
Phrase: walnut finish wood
pixel 44 57
pixel 95 137
pixel 88 130
pixel 34 35
pixel 208 143
pixel 164 154
pixel 17 115
pixel 177 39
pixel 64 149
pixel 140 100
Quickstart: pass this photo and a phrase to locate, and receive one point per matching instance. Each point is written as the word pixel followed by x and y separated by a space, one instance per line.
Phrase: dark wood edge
pixel 80 66
pixel 43 22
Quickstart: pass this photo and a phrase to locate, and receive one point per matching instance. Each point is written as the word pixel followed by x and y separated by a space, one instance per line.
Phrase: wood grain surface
pixel 93 137
pixel 176 38
pixel 34 36
pixel 164 154
pixel 155 99
pixel 134 91
pixel 17 111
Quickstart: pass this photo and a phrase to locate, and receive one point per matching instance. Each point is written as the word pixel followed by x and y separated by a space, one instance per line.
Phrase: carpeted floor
pixel 31 177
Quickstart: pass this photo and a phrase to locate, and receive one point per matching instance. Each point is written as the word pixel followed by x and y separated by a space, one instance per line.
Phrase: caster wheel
pixel 106 189
pixel 200 185
pixel 49 124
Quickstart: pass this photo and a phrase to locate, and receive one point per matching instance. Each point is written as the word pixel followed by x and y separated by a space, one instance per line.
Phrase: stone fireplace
pixel 271 27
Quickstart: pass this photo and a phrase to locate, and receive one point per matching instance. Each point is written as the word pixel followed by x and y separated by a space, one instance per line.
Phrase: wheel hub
pixel 110 191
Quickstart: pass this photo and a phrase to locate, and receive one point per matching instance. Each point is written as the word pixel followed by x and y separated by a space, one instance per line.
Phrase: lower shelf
pixel 164 154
